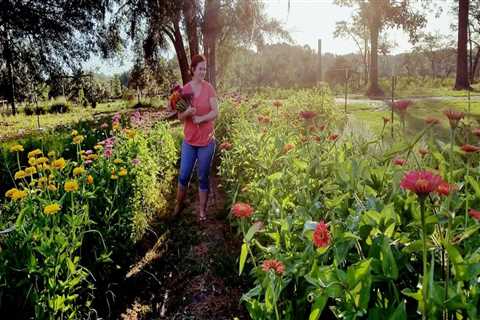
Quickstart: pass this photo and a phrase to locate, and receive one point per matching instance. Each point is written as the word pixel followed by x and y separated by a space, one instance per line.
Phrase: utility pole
pixel 319 76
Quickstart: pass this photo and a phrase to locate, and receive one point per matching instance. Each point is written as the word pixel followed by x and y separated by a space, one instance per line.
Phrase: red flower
pixel 421 182
pixel 423 152
pixel 321 236
pixel 263 119
pixel 242 210
pixel 474 214
pixel 386 120
pixel 225 145
pixel 402 105
pixel 321 128
pixel 399 161
pixel 453 116
pixel 432 120
pixel 445 188
pixel 333 137
pixel 275 265
pixel 307 115
pixel 468 148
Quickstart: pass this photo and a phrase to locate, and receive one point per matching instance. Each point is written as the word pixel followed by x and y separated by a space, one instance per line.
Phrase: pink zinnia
pixel 402 105
pixel 474 214
pixel 453 116
pixel 468 148
pixel 275 265
pixel 307 115
pixel 225 145
pixel 399 161
pixel 445 188
pixel 321 236
pixel 277 103
pixel 242 210
pixel 421 182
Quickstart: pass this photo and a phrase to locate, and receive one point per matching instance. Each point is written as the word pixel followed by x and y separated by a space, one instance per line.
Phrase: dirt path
pixel 188 271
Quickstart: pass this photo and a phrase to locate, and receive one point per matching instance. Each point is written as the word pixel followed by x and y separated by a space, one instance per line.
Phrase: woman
pixel 199 142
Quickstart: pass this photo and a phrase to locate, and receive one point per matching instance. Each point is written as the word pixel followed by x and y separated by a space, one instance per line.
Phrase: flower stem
pixel 424 259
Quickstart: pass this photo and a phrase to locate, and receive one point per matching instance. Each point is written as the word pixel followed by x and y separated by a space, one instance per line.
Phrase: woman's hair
pixel 196 59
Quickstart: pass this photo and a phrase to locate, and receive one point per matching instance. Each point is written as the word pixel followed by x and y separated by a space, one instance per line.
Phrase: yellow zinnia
pixel 117 161
pixel 30 171
pixel 78 171
pixel 92 157
pixel 16 148
pixel 52 208
pixel 52 187
pixel 59 163
pixel 116 126
pixel 42 181
pixel 122 172
pixel 32 161
pixel 78 139
pixel 113 177
pixel 51 154
pixel 41 160
pixel 19 194
pixel 74 133
pixel 20 174
pixel 35 153
pixel 71 185
pixel 90 179
pixel 10 192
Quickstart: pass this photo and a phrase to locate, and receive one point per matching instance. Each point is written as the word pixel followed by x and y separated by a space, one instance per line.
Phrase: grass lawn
pixel 21 124
pixel 372 115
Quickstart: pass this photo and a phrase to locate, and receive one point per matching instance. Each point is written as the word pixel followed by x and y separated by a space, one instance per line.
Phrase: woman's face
pixel 200 71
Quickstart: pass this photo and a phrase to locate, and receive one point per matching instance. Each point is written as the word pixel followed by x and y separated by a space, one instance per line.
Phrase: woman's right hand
pixel 187 113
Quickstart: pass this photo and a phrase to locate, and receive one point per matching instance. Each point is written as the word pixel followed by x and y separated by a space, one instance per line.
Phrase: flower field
pixel 332 224
pixel 336 226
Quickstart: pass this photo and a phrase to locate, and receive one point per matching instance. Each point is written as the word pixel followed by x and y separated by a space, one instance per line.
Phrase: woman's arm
pixel 213 114
pixel 187 113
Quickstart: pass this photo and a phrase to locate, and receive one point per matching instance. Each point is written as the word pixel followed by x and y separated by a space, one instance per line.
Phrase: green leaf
pixel 457 261
pixel 243 257
pixel 389 265
pixel 400 313
pixel 317 307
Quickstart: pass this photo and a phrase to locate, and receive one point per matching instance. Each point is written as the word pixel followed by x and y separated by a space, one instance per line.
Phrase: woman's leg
pixel 205 156
pixel 187 162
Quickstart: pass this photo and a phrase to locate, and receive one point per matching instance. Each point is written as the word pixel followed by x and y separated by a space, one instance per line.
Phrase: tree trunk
pixel 11 79
pixel 374 89
pixel 181 54
pixel 191 24
pixel 475 65
pixel 210 33
pixel 461 81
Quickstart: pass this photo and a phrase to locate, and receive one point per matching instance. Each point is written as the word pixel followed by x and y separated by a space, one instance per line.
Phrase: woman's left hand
pixel 197 119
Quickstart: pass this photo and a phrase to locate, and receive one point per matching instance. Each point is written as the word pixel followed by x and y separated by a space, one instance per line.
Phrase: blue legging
pixel 190 154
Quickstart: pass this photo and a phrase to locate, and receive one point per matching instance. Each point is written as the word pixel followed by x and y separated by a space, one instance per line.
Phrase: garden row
pixel 335 225
pixel 77 207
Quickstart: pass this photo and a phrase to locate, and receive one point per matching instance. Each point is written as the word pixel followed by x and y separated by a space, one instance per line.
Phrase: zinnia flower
pixel 58 163
pixel 117 161
pixel 18 194
pixel 275 265
pixel 385 120
pixel 277 104
pixel 474 214
pixel 34 153
pixel 321 235
pixel 423 152
pixel 453 117
pixel 16 148
pixel 307 115
pixel 333 137
pixel 20 174
pixel 421 182
pixel 71 185
pixel 445 188
pixel 78 171
pixel 242 210
pixel 41 160
pixel 402 105
pixel 78 139
pixel 399 161
pixel 123 172
pixel 52 209
pixel 225 145
pixel 468 148
pixel 89 179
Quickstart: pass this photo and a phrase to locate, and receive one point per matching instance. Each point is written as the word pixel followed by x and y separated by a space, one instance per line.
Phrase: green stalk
pixel 424 259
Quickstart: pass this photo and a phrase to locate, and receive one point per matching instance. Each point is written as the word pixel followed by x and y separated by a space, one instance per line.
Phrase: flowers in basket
pixel 180 100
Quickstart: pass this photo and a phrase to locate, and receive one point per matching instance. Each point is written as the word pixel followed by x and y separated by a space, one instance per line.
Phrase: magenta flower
pixel 421 182
pixel 402 105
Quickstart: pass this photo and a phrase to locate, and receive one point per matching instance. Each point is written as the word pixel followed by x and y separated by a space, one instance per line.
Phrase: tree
pixel 41 38
pixel 378 15
pixel 461 80
pixel 435 48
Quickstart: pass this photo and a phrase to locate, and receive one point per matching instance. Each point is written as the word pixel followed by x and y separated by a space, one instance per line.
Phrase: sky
pixel 307 21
